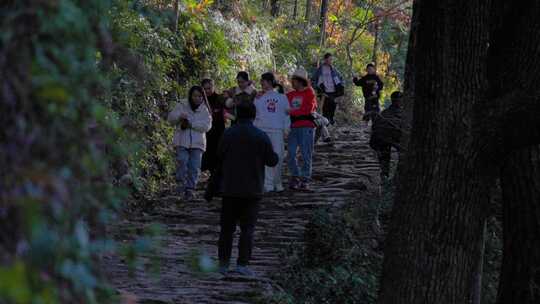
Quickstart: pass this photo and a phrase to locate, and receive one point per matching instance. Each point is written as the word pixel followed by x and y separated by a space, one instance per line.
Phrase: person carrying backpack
pixel 329 84
pixel 273 118
pixel 372 86
pixel 303 104
pixel 192 121
pixel 386 132
pixel 242 156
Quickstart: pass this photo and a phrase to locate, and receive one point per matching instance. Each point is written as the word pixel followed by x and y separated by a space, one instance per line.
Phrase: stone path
pixel 343 173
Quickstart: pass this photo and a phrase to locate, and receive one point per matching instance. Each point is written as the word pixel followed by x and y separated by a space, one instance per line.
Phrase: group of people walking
pixel 245 160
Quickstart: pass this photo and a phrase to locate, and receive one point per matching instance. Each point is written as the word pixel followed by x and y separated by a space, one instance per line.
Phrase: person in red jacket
pixel 303 104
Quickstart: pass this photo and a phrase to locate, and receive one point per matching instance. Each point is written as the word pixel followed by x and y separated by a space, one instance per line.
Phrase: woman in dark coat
pixel 217 106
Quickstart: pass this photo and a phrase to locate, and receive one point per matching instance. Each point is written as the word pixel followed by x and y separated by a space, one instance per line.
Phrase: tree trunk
pixel 520 271
pixel 477 287
pixel 375 42
pixel 176 15
pixel 516 32
pixel 435 239
pixel 322 22
pixel 516 36
pixel 295 9
pixel 274 8
pixel 309 3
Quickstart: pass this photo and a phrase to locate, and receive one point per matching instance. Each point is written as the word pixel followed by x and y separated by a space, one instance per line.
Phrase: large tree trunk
pixel 435 239
pixel 516 37
pixel 520 271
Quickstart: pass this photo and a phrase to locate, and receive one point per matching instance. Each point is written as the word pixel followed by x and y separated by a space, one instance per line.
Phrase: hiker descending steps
pixel 217 108
pixel 372 86
pixel 243 154
pixel 329 85
pixel 192 121
pixel 273 118
pixel 303 104
pixel 386 133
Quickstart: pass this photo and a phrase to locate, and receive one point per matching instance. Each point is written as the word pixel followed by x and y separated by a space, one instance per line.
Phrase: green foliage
pixel 333 267
pixel 57 132
pixel 340 259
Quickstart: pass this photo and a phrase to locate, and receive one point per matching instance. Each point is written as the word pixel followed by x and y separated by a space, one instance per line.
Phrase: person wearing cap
pixel 303 104
pixel 329 84
pixel 242 156
pixel 372 86
pixel 386 132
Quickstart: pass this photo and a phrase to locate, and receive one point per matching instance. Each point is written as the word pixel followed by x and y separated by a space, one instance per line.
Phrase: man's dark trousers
pixel 242 211
pixel 329 107
pixel 384 154
pixel 371 108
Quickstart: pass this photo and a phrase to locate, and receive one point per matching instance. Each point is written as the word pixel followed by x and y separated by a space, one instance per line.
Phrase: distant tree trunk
pixel 309 3
pixel 322 22
pixel 274 8
pixel 176 14
pixel 436 236
pixel 375 42
pixel 295 9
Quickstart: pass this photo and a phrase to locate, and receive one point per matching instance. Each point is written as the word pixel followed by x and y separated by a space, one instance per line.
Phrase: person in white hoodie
pixel 273 118
pixel 192 121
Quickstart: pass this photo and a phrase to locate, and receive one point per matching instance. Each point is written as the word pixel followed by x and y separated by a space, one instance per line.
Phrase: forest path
pixel 344 172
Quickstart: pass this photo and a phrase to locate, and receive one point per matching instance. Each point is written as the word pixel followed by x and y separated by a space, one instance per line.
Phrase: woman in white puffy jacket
pixel 192 121
pixel 273 118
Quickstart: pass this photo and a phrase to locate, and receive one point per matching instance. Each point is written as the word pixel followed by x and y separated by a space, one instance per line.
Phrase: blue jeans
pixel 300 138
pixel 188 168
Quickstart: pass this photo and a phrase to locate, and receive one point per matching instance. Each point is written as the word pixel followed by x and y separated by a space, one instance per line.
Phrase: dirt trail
pixel 343 173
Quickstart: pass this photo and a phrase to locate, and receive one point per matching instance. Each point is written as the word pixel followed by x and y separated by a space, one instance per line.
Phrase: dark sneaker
pixel 294 184
pixel 179 191
pixel 304 186
pixel 223 269
pixel 245 271
pixel 189 195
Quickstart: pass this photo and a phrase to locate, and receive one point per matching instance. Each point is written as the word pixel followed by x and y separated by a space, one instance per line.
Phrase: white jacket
pixel 272 111
pixel 200 120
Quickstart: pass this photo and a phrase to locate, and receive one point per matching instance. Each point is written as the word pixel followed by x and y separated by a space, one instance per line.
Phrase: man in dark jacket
pixel 386 132
pixel 329 84
pixel 372 86
pixel 243 154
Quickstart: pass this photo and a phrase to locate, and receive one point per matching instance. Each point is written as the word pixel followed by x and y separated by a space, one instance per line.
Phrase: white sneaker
pixel 279 188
